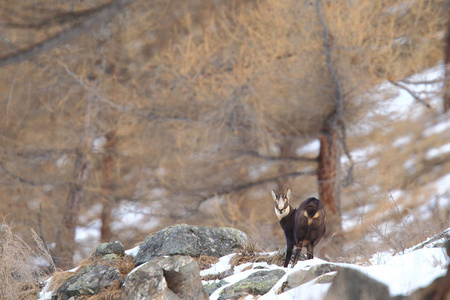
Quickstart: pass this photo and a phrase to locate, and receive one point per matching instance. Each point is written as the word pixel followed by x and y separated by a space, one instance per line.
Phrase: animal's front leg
pixel 290 246
pixel 297 254
pixel 310 250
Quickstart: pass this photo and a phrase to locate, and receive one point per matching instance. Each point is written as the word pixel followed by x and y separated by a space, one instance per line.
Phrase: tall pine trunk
pixel 446 97
pixel 107 186
pixel 65 235
pixel 328 178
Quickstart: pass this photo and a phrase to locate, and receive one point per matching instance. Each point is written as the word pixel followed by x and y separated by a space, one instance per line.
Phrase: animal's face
pixel 281 202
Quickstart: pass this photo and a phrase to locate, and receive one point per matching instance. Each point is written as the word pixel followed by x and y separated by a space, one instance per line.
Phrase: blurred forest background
pixel 182 111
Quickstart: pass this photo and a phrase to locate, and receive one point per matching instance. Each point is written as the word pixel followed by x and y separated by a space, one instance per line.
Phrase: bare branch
pixel 58 18
pixel 238 188
pixel 434 81
pixel 94 92
pixel 412 93
pixel 102 16
pixel 253 153
pixel 18 178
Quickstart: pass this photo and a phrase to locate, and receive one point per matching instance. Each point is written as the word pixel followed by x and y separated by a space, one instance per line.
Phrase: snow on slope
pixel 402 273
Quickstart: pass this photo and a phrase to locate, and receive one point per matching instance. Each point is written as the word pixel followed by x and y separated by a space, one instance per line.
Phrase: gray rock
pixel 191 241
pixel 258 283
pixel 147 282
pixel 182 276
pixel 175 277
pixel 115 247
pixel 300 277
pixel 321 269
pixel 89 281
pixel 212 287
pixel 352 284
pixel 296 279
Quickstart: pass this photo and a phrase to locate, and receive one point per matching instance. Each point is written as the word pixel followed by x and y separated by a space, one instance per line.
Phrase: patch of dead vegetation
pixel 205 262
pixel 252 254
pixel 125 265
pixel 22 267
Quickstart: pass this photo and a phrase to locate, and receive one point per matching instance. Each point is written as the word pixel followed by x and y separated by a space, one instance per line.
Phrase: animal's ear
pixel 288 194
pixel 274 196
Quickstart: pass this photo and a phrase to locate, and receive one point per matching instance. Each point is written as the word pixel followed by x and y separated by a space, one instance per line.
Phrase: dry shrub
pixel 21 267
pixel 125 264
pixel 218 276
pixel 252 254
pixel 204 262
pixel 111 293
pixel 59 278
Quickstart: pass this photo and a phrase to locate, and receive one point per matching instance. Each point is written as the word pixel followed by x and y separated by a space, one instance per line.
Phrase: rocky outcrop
pixel 303 276
pixel 352 284
pixel 115 247
pixel 175 277
pixel 89 281
pixel 257 283
pixel 212 287
pixel 192 241
pixel 100 275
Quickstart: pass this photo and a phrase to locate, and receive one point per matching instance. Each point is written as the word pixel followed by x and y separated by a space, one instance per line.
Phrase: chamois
pixel 302 226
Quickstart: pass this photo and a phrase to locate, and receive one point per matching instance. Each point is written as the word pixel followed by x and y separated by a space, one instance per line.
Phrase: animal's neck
pixel 285 215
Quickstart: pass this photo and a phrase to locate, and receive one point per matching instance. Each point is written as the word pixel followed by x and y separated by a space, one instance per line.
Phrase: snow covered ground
pixel 402 273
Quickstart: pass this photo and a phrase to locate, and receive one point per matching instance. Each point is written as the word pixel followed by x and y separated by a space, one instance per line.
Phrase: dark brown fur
pixel 296 228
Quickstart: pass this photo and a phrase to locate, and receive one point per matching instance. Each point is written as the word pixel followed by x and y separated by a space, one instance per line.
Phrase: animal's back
pixel 310 221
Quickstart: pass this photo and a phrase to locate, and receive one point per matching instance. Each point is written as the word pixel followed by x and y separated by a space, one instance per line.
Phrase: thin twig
pixel 414 95
pixel 64 36
pixel 253 153
pixel 27 181
pixel 434 81
pixel 248 185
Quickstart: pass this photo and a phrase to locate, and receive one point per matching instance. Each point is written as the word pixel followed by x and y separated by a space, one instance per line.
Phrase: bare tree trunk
pixel 329 178
pixel 446 97
pixel 109 162
pixel 65 236
pixel 330 143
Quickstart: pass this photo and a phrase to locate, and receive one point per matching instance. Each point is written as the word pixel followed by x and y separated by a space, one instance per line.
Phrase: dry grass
pixel 21 266
pixel 204 262
pixel 125 264
pixel 252 254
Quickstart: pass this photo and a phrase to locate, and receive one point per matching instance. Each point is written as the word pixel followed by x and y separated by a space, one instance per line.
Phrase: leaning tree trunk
pixel 329 178
pixel 65 235
pixel 330 142
pixel 107 186
pixel 446 92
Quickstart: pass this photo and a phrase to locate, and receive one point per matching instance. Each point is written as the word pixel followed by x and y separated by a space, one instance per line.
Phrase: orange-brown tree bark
pixel 328 178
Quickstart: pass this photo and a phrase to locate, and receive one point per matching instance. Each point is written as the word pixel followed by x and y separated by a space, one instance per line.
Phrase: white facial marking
pixel 316 215
pixel 283 214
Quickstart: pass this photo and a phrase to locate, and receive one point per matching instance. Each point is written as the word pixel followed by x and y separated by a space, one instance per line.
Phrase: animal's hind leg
pixel 310 250
pixel 297 254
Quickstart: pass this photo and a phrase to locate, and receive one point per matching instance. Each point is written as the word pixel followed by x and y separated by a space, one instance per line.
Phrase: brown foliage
pixel 205 99
pixel 21 267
